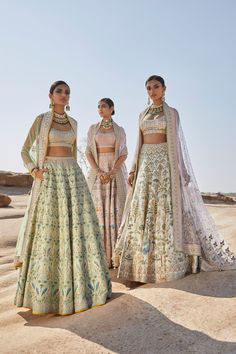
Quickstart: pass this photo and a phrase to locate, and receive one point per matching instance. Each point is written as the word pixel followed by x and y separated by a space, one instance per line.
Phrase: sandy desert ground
pixel 196 314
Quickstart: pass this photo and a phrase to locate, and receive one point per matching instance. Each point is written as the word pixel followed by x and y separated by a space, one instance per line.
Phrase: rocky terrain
pixel 15 179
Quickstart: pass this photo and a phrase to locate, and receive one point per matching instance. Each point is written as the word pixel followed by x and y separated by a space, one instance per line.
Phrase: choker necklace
pixel 106 124
pixel 60 118
pixel 156 110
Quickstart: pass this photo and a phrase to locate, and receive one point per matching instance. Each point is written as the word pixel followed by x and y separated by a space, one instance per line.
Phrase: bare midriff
pixel 156 138
pixel 59 151
pixel 103 150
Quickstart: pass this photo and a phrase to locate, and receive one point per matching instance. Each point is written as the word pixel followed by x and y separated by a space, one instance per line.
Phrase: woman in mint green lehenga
pixel 59 251
pixel 166 230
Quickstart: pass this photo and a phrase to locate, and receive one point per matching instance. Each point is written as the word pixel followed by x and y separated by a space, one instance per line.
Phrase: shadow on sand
pixel 215 284
pixel 127 324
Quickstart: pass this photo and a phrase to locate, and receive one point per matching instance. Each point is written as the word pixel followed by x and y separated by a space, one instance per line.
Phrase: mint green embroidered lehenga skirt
pixel 65 270
pixel 145 247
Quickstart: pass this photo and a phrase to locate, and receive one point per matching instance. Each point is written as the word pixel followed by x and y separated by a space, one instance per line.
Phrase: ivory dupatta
pixel 120 150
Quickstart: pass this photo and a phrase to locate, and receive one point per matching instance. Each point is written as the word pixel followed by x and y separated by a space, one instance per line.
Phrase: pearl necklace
pixel 107 124
pixel 60 118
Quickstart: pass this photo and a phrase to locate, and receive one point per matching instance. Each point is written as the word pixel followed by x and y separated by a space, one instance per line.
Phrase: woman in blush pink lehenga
pixel 107 178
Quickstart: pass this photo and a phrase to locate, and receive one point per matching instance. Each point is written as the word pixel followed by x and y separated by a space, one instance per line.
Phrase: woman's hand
pixel 38 173
pixel 187 179
pixel 104 178
pixel 101 175
pixel 131 179
pixel 111 174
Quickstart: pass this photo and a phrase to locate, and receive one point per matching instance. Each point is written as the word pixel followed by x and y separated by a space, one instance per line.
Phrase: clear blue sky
pixel 109 48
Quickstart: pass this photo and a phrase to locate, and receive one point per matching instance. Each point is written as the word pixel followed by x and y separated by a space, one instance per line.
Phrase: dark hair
pixel 157 78
pixel 109 102
pixel 57 83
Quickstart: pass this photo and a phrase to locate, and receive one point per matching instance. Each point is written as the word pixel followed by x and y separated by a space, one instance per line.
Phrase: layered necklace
pixel 156 110
pixel 107 124
pixel 60 118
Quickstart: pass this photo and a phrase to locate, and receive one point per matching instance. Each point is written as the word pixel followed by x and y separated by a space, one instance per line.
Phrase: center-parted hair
pixel 57 83
pixel 109 102
pixel 157 78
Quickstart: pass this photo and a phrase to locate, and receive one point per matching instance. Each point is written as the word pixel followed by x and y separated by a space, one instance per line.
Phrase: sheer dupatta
pixel 197 223
pixel 195 232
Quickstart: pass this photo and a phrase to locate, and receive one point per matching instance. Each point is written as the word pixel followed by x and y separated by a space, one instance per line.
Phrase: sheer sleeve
pixel 138 146
pixel 181 163
pixel 88 149
pixel 123 147
pixel 29 163
pixel 75 145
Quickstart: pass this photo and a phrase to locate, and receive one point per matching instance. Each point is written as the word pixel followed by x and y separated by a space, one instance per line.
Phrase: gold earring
pixel 51 105
pixel 163 98
pixel 67 107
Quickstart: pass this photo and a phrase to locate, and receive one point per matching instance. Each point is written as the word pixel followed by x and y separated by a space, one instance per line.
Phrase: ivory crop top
pixel 153 125
pixel 61 138
pixel 105 139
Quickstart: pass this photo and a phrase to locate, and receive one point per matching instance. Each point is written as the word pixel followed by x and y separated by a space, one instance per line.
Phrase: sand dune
pixel 192 315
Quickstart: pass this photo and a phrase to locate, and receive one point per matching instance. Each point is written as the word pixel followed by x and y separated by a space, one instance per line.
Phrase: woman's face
pixel 155 90
pixel 104 110
pixel 60 95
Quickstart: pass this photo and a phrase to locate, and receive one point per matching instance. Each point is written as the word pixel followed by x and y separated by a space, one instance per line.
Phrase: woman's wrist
pixel 114 171
pixel 98 171
pixel 34 171
pixel 111 174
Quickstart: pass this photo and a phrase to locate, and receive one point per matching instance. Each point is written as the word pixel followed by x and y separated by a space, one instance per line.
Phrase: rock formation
pixel 4 200
pixel 15 179
pixel 218 198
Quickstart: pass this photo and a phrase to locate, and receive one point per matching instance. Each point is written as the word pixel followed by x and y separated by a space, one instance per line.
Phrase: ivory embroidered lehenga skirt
pixel 65 270
pixel 108 208
pixel 146 244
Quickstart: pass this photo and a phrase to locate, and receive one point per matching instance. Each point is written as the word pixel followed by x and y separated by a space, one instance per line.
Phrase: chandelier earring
pixel 51 105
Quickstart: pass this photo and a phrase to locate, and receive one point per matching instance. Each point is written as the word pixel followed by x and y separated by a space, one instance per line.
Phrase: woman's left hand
pixel 109 176
pixel 39 173
pixel 105 178
pixel 187 179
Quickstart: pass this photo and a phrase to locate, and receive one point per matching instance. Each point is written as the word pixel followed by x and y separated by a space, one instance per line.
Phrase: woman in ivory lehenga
pixel 106 152
pixel 62 263
pixel 166 229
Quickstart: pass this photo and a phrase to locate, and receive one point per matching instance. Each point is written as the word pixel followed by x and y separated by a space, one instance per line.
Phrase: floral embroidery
pixel 147 252
pixel 65 269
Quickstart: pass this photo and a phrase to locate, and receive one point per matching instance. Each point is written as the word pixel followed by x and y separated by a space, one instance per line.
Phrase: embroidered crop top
pixel 153 125
pixel 105 139
pixel 61 137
